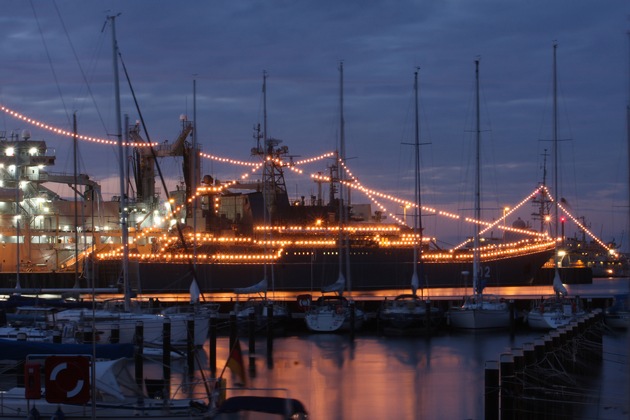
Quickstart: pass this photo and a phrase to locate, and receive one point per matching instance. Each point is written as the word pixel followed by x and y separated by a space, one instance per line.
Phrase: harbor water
pixel 441 377
pixel 434 377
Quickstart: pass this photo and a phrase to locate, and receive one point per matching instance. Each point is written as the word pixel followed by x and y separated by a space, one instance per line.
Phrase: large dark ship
pixel 247 232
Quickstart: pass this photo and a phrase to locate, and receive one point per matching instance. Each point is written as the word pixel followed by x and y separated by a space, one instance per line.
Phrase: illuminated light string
pixel 67 133
pixel 227 160
pixel 496 224
pixel 357 185
pixel 406 203
pixel 354 184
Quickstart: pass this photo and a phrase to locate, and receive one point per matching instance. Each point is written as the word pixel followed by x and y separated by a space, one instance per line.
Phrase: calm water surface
pixel 375 377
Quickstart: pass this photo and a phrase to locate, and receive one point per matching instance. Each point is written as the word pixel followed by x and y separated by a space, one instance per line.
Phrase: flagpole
pixel 227 361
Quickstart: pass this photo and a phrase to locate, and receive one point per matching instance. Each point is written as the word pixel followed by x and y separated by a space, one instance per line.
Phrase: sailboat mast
pixel 555 153
pixel 344 253
pixel 17 214
pixel 123 198
pixel 628 136
pixel 417 223
pixel 477 182
pixel 76 186
pixel 266 215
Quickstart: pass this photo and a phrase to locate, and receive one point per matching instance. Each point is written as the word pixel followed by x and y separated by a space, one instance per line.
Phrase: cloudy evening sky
pixel 57 60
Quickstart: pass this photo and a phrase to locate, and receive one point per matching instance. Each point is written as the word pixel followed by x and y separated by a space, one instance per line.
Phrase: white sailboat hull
pixel 553 313
pixel 479 318
pixel 481 312
pixel 333 318
pixel 325 320
pixel 105 322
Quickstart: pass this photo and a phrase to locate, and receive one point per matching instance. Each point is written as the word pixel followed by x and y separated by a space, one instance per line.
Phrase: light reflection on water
pixel 441 377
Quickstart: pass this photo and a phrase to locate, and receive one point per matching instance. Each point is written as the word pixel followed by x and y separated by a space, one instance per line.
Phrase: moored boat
pixel 332 313
pixel 479 310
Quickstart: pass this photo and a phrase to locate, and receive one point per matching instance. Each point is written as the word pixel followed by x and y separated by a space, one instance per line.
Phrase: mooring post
pixel 269 330
pixel 139 363
pixel 352 319
pixel 114 336
pixel 190 344
pixel 166 358
pixel 507 382
pixel 251 323
pixel 213 343
pixel 427 307
pixel 491 397
pixel 233 328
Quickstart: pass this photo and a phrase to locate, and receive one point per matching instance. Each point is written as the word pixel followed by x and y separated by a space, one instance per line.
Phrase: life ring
pixel 67 379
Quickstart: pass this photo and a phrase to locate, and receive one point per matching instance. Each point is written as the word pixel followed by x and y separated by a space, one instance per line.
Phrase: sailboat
pixel 260 305
pixel 409 312
pixel 123 317
pixel 330 313
pixel 479 310
pixel 559 310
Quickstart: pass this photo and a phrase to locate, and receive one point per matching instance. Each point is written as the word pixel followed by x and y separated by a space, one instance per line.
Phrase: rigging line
pixel 52 68
pixel 76 57
pixel 162 180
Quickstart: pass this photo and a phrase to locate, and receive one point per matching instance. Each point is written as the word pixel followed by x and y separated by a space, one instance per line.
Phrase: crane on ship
pixel 144 163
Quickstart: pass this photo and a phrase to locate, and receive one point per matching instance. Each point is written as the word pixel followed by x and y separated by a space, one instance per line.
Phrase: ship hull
pixel 371 269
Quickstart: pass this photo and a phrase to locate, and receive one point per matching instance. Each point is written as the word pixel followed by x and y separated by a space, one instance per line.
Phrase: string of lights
pixel 66 133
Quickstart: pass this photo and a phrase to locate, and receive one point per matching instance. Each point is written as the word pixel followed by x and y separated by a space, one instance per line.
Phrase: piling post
pixel 213 344
pixel 507 383
pixel 491 397
pixel 270 333
pixel 251 323
pixel 512 315
pixel 233 328
pixel 427 310
pixel 530 385
pixel 190 344
pixel 139 363
pixel 166 358
pixel 352 319
pixel 114 336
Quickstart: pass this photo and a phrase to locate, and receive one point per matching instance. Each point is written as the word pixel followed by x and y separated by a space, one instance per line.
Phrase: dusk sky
pixel 57 59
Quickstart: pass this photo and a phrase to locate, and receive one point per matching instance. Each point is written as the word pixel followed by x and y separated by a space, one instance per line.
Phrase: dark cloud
pixel 225 46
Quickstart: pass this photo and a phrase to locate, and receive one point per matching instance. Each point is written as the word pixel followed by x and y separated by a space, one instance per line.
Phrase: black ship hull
pixel 306 270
